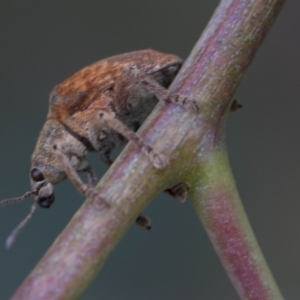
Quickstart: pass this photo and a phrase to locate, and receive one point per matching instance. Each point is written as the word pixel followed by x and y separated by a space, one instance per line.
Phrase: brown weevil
pixel 94 110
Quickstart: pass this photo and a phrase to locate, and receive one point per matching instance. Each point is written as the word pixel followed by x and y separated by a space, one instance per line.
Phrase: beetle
pixel 92 111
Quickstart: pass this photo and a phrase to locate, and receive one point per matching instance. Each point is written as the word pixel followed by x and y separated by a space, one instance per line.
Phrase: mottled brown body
pixel 97 109
pixel 124 88
pixel 108 84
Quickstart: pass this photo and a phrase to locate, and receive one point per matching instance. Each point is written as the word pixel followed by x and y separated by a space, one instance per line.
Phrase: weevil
pixel 98 109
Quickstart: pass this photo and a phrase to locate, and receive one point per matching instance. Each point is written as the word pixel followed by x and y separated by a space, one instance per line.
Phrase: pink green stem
pixel 218 205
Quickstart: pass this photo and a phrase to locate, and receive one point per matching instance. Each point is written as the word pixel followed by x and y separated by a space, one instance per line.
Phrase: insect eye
pixel 37 175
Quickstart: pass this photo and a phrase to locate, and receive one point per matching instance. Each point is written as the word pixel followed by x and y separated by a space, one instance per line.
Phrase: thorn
pixel 235 105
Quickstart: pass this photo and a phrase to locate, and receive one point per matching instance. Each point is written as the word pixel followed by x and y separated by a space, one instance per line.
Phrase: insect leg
pixel 91 175
pixel 179 191
pixel 164 95
pixel 105 156
pixel 83 188
pixel 158 160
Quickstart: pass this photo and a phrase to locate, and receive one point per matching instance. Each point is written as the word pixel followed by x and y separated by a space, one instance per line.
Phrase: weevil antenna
pixel 13 236
pixel 17 199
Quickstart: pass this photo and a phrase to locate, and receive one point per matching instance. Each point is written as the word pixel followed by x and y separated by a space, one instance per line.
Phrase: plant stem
pixel 218 205
pixel 195 147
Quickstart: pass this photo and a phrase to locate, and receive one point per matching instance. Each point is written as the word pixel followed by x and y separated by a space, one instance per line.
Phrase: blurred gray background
pixel 43 42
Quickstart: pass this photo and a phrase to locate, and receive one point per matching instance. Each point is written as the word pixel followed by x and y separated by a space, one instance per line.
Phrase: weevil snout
pixel 46 202
pixel 44 190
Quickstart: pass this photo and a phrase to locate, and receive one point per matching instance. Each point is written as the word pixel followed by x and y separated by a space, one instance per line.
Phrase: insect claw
pixel 160 161
pixel 143 222
pixel 192 105
pixel 99 203
pixel 185 101
pixel 179 191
